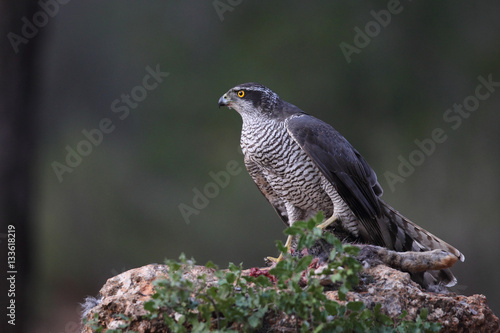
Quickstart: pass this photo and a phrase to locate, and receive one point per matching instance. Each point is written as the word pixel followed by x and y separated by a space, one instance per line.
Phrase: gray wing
pixel 352 177
pixel 356 183
pixel 256 173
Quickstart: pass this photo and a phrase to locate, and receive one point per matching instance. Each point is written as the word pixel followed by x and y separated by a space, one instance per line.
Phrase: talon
pixel 275 260
pixel 288 245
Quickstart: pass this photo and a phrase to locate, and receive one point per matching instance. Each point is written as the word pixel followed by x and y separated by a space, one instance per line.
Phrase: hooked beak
pixel 223 101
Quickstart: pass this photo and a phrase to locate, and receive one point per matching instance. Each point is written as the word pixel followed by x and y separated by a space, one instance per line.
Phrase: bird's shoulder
pixel 286 111
pixel 306 128
pixel 341 164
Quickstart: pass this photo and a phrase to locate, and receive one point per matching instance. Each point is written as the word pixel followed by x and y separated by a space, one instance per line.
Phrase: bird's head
pixel 250 98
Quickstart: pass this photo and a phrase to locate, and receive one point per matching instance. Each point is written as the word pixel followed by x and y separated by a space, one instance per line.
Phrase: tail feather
pixel 405 235
pixel 435 280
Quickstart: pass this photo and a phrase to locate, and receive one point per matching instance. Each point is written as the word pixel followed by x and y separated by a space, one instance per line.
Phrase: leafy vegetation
pixel 238 302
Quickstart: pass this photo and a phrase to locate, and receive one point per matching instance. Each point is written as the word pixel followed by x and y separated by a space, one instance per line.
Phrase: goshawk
pixel 302 165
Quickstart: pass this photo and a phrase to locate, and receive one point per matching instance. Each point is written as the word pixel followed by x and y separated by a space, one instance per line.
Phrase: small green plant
pixel 93 323
pixel 238 302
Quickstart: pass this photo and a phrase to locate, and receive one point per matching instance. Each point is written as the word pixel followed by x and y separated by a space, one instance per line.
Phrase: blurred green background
pixel 119 208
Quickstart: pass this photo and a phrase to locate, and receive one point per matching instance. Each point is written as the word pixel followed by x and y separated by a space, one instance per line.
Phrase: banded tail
pixel 402 235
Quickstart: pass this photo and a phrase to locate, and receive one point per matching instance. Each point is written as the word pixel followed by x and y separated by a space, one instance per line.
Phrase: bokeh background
pixel 119 207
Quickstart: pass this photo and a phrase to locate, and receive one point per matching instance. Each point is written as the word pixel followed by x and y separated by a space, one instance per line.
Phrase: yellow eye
pixel 241 93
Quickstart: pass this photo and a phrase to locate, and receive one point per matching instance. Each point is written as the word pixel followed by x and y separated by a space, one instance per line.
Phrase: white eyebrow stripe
pixel 253 88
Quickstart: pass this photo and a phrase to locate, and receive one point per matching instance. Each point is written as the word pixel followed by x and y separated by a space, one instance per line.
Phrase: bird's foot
pixel 330 220
pixel 274 261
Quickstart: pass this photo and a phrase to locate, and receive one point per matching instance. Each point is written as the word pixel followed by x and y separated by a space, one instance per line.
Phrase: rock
pixel 396 292
pixel 126 293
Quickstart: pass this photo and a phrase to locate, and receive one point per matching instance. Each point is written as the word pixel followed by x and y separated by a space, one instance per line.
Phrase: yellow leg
pixel 325 224
pixel 288 245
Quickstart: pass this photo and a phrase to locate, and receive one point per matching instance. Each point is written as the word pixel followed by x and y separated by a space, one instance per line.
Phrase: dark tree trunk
pixel 17 158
